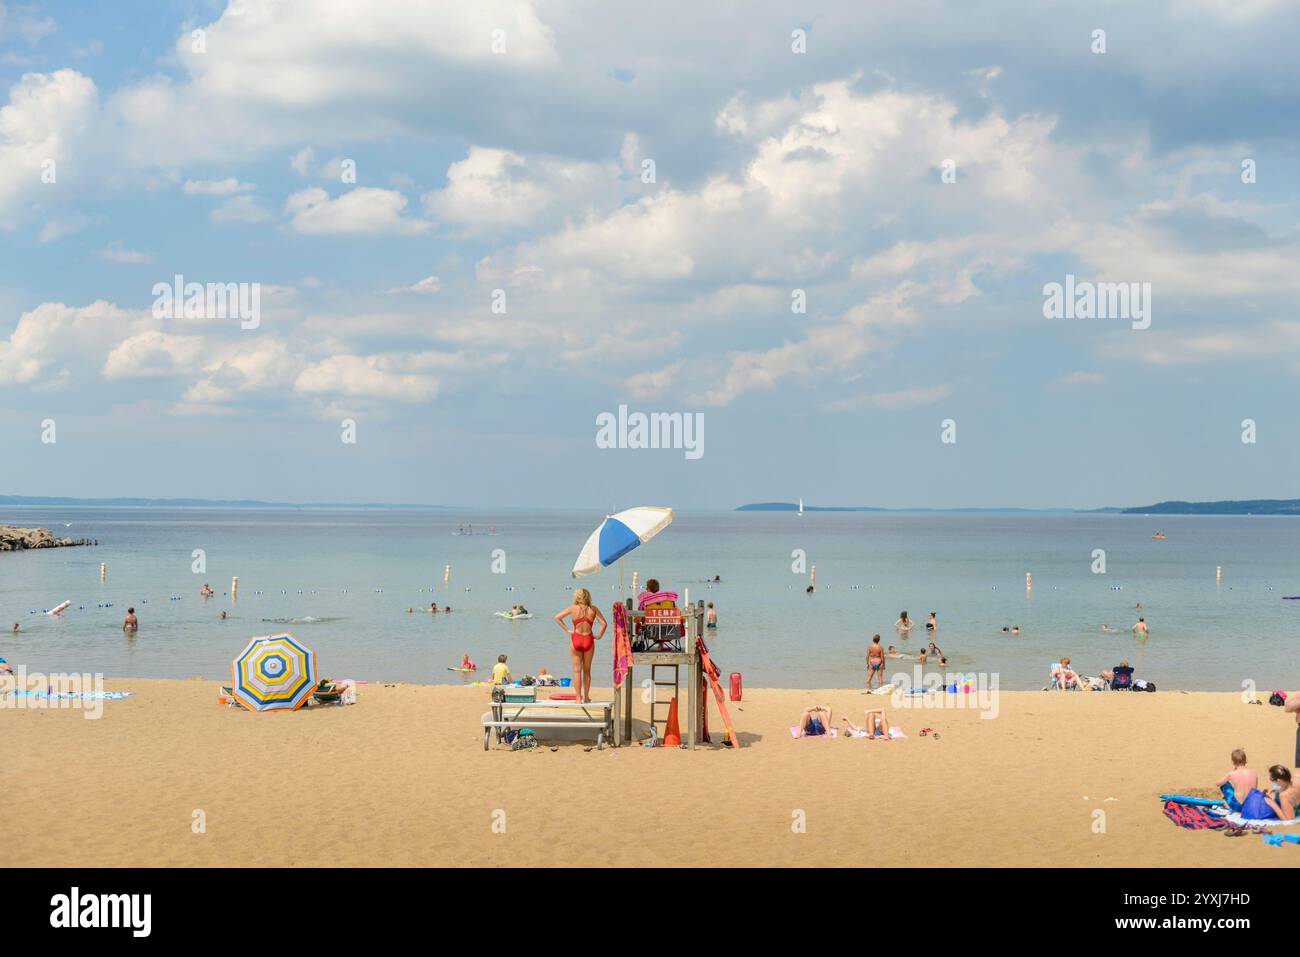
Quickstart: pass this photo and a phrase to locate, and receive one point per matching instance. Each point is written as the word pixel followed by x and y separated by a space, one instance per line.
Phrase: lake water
pixel 357 571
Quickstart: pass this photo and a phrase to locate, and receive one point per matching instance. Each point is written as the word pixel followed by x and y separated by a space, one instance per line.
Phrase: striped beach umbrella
pixel 619 534
pixel 274 673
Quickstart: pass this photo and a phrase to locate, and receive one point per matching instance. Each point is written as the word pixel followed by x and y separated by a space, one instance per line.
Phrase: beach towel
pixel 1192 816
pixel 649 598
pixel 894 732
pixel 622 647
pixel 794 733
pixel 75 695
pixel 1255 808
pixel 1230 796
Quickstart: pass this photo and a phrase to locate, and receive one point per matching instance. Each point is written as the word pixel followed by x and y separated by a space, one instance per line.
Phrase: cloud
pixel 216 187
pixel 494 189
pixel 46 117
pixel 60 227
pixel 364 210
pixel 426 286
pixel 55 342
pixel 377 376
pixel 893 401
pixel 239 209
pixel 116 252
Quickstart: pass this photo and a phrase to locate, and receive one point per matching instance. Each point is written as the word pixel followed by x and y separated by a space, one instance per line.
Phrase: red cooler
pixel 735 686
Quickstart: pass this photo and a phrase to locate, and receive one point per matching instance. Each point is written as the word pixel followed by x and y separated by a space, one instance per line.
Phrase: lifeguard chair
pixel 662 629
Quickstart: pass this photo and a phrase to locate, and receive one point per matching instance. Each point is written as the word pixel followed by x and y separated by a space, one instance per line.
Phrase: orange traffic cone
pixel 672 734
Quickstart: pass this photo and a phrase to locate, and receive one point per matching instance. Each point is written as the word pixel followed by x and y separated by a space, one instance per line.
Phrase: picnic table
pixel 538 715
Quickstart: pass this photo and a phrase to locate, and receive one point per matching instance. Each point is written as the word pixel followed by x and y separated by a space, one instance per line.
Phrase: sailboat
pixel 800 506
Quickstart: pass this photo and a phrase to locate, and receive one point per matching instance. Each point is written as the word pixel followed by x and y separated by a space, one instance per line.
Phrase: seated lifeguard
pixel 652 597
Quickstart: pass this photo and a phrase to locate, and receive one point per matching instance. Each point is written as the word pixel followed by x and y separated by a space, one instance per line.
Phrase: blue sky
pixel 520 168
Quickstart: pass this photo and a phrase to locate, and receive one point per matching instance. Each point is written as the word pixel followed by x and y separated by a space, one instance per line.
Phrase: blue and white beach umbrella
pixel 618 535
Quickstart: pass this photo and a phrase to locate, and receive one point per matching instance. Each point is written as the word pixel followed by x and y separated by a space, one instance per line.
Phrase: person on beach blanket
pixel 5 667
pixel 815 721
pixel 1240 780
pixel 876 725
pixel 1286 793
pixel 653 596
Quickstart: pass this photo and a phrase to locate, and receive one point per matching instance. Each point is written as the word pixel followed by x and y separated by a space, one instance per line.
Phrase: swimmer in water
pixel 223 616
pixel 206 591
pixel 433 607
pixel 130 624
pixel 1140 628
pixel 904 624
pixel 933 624
pixel 895 653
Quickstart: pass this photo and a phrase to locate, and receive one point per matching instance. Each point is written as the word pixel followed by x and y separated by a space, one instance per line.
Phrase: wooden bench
pixel 539 715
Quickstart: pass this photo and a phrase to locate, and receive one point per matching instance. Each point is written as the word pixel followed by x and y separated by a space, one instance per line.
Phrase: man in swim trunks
pixel 1292 706
pixel 815 721
pixel 130 624
pixel 875 662
pixel 1140 628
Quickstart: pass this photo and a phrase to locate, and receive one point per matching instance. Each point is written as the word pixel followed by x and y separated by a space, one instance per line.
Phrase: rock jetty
pixel 15 539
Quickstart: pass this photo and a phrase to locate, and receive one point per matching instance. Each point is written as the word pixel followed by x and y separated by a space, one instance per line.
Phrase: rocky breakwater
pixel 15 539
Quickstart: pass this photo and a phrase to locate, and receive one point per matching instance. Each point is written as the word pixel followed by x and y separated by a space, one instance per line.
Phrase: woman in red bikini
pixel 582 643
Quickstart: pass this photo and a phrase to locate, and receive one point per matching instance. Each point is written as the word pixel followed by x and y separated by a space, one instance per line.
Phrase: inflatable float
pixel 511 615
pixel 58 608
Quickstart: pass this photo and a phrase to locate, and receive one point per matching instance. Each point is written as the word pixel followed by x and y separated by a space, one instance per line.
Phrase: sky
pixel 821 231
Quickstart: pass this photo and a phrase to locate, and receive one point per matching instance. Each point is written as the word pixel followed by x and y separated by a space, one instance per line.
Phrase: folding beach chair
pixel 1122 680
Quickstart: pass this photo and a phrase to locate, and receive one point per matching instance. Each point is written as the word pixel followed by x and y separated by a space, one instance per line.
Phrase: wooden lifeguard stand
pixel 663 663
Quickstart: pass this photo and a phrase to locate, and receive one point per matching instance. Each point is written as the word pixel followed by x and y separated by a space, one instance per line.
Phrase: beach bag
pixel 1278 698
pixel 523 740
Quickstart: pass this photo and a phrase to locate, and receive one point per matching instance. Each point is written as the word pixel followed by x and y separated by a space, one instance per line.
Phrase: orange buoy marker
pixel 672 734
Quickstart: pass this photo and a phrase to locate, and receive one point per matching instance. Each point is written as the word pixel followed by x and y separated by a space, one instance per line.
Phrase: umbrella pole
pixel 620 576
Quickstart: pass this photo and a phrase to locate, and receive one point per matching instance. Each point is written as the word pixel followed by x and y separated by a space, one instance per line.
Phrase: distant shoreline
pixel 39 501
pixel 1264 506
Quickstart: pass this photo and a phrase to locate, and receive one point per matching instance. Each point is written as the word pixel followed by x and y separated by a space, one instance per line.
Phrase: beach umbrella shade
pixel 274 673
pixel 618 535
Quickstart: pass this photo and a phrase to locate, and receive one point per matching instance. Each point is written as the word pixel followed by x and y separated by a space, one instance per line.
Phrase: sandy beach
pixel 400 778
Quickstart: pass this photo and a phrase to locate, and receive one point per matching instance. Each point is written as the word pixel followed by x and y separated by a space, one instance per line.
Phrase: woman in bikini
pixel 582 643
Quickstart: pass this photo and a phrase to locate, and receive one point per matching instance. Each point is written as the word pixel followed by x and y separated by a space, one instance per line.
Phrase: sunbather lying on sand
pixel 877 725
pixel 815 721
